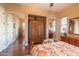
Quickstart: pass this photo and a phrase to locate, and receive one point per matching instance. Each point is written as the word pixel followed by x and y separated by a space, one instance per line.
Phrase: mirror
pixel 74 25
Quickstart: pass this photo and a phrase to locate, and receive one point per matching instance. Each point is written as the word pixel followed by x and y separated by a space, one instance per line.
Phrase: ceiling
pixel 57 7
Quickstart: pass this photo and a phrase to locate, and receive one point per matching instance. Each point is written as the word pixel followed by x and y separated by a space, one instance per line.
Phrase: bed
pixel 55 49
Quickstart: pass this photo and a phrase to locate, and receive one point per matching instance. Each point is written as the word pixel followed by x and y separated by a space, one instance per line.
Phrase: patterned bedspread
pixel 55 49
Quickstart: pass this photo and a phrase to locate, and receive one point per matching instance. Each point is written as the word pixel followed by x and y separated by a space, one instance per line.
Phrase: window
pixel 53 26
pixel 64 24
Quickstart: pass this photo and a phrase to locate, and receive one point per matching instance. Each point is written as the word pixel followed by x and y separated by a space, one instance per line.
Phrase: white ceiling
pixel 57 7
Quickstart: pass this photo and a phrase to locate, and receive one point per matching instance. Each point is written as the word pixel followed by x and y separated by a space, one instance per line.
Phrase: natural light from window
pixel 64 24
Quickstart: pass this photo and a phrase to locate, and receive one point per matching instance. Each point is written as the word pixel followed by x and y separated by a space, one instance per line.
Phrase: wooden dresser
pixel 50 35
pixel 69 40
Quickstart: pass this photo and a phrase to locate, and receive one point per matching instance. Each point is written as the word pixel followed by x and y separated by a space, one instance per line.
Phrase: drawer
pixel 77 43
pixel 72 41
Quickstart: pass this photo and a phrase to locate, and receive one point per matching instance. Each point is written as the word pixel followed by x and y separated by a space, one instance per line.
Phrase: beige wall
pixel 30 10
pixel 27 10
pixel 70 12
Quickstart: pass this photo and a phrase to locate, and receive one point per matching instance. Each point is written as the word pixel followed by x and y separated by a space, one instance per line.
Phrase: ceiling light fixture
pixel 51 4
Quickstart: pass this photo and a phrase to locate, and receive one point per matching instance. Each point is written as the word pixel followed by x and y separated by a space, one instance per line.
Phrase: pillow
pixel 48 41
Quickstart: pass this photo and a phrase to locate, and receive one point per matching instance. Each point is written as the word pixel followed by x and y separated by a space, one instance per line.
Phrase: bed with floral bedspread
pixel 55 49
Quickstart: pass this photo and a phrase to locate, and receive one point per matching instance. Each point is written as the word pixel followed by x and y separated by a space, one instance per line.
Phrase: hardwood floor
pixel 15 50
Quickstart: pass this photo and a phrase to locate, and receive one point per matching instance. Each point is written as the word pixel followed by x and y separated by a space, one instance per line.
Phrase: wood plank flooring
pixel 15 50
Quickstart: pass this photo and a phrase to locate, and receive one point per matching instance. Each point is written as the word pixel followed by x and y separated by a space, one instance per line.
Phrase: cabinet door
pixel 67 40
pixel 77 42
pixel 72 41
pixel 63 38
pixel 36 29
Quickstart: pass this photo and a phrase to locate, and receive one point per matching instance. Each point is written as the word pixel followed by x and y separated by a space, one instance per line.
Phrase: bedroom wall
pixel 7 27
pixel 70 12
pixel 30 10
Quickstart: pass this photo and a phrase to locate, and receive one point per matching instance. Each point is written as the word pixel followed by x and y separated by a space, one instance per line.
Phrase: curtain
pixel 3 38
pixel 9 25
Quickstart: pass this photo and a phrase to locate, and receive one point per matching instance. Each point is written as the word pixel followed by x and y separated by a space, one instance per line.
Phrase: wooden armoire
pixel 36 29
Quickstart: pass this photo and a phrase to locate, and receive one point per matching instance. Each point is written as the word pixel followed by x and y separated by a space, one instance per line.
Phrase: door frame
pixel 44 23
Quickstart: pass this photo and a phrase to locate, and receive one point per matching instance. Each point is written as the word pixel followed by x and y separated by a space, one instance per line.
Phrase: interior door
pixel 36 29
